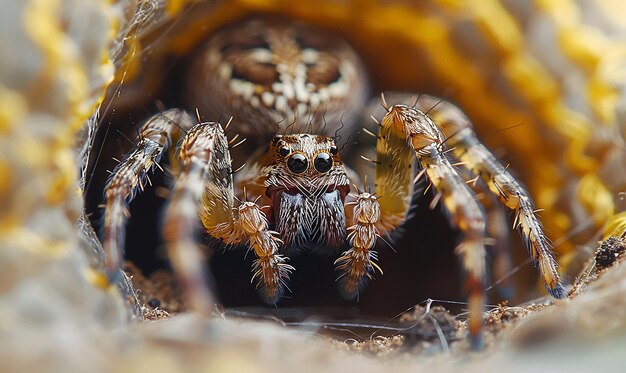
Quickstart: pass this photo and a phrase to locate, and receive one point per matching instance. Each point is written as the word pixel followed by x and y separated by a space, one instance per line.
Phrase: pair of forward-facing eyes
pixel 298 163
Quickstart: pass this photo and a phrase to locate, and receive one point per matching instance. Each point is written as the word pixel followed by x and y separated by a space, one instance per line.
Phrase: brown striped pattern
pixel 197 153
pixel 468 149
pixel 358 263
pixel 270 271
pixel 129 177
pixel 426 141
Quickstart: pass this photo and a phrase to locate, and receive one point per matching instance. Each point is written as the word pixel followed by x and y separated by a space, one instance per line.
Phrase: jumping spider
pixel 279 78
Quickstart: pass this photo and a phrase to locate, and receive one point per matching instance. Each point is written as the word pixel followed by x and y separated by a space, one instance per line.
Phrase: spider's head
pixel 305 164
pixel 307 184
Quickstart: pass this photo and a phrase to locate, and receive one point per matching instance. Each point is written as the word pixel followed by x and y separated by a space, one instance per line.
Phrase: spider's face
pixel 307 184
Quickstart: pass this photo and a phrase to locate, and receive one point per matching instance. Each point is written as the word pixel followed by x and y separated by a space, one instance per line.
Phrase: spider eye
pixel 297 163
pixel 323 162
pixel 284 151
pixel 333 150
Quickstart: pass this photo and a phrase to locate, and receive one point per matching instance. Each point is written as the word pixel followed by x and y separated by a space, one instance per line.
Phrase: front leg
pixel 405 130
pixel 269 270
pixel 358 263
pixel 246 223
pixel 201 149
pixel 205 180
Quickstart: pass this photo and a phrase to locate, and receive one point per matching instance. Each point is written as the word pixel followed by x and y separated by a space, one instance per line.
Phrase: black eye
pixel 333 150
pixel 297 163
pixel 323 162
pixel 284 151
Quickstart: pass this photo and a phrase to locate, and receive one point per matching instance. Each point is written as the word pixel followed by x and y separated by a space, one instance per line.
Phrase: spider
pixel 294 193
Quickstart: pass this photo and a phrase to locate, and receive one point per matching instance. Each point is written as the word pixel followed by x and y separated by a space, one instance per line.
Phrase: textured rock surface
pixel 58 57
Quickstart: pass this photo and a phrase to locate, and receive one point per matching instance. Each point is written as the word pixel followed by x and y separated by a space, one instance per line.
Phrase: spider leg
pixel 476 157
pixel 497 227
pixel 401 125
pixel 270 271
pixel 498 231
pixel 358 263
pixel 202 147
pixel 244 223
pixel 128 178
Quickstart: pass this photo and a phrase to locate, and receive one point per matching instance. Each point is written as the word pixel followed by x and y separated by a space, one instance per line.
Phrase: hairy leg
pixel 404 128
pixel 358 263
pixel 476 157
pixel 246 223
pixel 395 175
pixel 204 188
pixel 128 177
pixel 197 153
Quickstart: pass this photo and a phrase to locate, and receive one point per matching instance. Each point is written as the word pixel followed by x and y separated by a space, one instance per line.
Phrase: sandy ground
pixel 430 331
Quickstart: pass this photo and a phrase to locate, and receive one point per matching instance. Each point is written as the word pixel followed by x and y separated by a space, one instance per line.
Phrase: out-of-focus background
pixel 543 81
